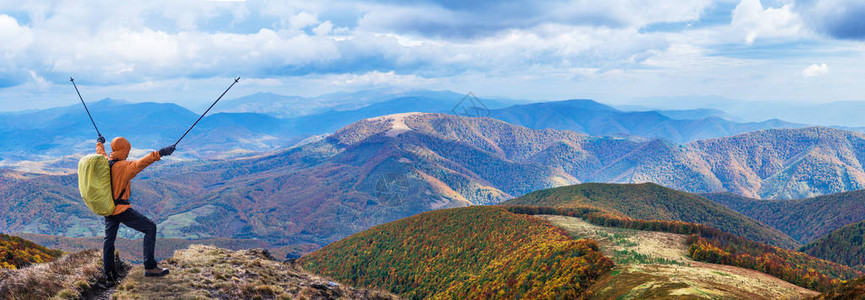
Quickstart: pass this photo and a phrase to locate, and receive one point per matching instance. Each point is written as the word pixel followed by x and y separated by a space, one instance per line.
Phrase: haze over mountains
pixel 59 132
pixel 385 168
pixel 838 113
pixel 38 140
pixel 593 118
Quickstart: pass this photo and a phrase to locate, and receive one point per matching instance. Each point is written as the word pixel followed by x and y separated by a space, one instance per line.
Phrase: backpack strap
pixel 117 201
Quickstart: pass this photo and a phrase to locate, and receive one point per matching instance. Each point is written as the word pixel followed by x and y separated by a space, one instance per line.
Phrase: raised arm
pixel 141 163
pixel 100 146
pixel 138 165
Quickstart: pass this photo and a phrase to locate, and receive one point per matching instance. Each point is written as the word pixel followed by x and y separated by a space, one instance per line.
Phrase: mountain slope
pixel 76 275
pixel 650 201
pixel 802 219
pixel 16 252
pixel 463 253
pixel 593 118
pixel 844 246
pixel 787 163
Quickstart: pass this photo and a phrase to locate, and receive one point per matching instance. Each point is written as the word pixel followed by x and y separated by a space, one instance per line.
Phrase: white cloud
pixel 40 82
pixel 565 47
pixel 815 70
pixel 376 78
pixel 758 22
pixel 14 37
pixel 324 28
pixel 302 20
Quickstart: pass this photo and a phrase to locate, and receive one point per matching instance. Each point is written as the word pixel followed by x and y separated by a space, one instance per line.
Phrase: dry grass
pixel 73 276
pixel 678 277
pixel 207 272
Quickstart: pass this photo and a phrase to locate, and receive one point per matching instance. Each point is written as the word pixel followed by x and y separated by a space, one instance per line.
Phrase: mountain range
pixel 596 119
pixel 286 107
pixel 52 134
pixel 838 113
pixel 41 140
pixel 381 169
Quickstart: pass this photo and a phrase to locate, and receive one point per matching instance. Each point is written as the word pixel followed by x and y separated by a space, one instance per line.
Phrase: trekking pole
pixel 85 106
pixel 205 112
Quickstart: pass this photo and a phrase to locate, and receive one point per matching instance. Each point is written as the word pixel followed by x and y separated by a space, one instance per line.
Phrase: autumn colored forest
pixel 465 253
pixel 16 252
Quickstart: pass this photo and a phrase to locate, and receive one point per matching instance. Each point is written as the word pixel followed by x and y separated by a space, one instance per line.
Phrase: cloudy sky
pixel 613 50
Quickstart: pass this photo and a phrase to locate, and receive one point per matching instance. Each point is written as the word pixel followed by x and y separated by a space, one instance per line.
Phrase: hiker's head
pixel 120 148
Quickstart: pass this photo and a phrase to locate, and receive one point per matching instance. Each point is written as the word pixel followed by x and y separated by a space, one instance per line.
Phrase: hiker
pixel 122 171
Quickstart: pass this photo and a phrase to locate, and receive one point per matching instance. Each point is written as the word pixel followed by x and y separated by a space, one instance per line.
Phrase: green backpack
pixel 94 183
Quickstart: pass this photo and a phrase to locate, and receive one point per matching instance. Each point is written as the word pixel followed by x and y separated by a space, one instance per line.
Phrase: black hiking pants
pixel 134 220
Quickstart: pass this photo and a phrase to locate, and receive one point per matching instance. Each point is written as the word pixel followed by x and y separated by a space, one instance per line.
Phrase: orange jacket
pixel 124 170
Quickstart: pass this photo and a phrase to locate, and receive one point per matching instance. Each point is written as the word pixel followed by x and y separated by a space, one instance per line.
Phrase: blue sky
pixel 613 51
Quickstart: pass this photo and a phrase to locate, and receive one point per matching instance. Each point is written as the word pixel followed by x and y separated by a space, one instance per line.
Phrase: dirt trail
pixel 102 291
pixel 655 264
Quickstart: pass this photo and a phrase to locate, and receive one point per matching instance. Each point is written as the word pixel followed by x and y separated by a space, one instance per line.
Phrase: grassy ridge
pixel 715 246
pixel 76 275
pixel 208 272
pixel 131 249
pixel 17 252
pixel 649 201
pixel 472 252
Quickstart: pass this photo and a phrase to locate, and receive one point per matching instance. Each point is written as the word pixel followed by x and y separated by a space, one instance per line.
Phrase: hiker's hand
pixel 100 139
pixel 166 151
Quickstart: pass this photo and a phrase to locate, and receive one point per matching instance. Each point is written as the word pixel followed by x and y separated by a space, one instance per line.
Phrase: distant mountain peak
pixel 397 123
pixel 585 104
pixel 111 101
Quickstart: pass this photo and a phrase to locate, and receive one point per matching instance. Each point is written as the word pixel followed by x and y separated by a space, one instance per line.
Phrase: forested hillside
pixel 16 252
pixel 465 253
pixel 802 219
pixel 649 201
pixel 844 246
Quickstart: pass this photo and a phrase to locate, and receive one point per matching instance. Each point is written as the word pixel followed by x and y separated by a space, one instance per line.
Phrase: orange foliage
pixel 16 252
pixel 477 252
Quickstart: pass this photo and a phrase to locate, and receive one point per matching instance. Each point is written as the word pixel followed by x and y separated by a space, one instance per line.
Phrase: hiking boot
pixel 111 279
pixel 155 272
